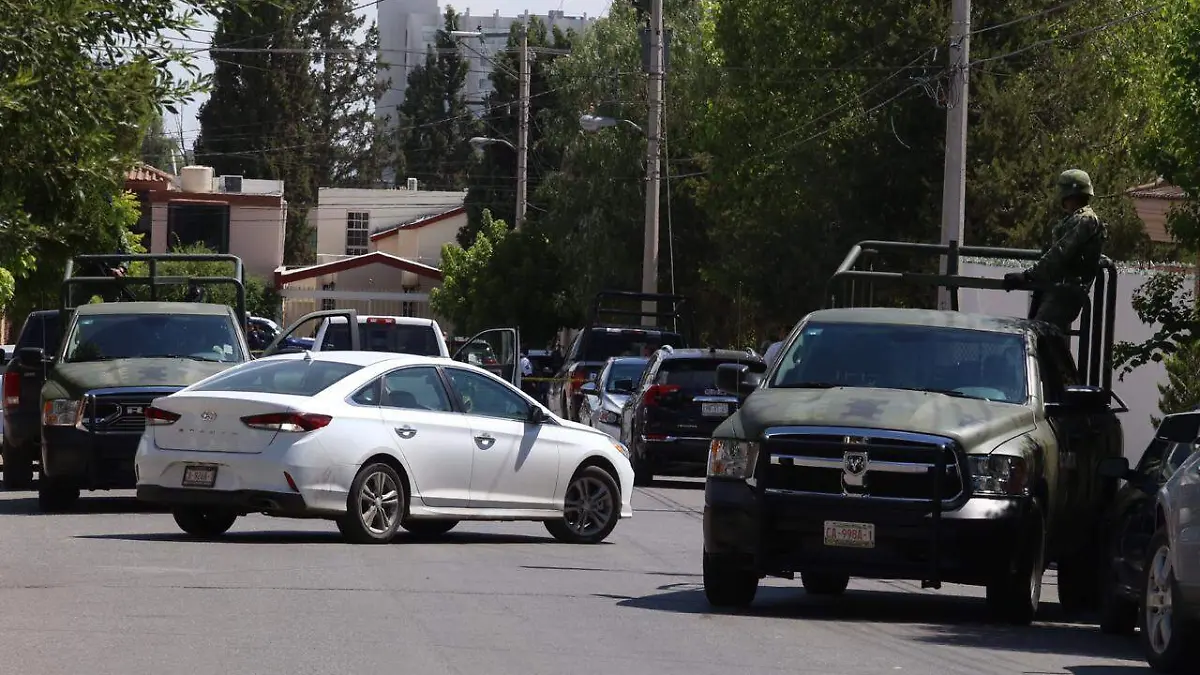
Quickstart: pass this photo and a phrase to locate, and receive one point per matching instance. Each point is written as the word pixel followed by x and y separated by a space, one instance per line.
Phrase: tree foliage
pixel 435 121
pixel 159 150
pixel 1181 391
pixel 79 84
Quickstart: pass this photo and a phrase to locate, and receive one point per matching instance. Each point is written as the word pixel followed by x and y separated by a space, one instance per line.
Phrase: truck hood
pixel 75 379
pixel 977 425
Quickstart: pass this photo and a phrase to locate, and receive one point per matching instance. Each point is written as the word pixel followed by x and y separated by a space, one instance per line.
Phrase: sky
pixel 187 117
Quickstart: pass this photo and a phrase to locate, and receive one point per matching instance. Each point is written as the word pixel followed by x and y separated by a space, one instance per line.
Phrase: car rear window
pixel 41 330
pixel 384 337
pixel 602 344
pixel 296 377
pixel 697 374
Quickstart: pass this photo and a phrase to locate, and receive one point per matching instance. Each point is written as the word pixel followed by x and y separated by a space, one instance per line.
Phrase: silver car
pixel 1170 611
pixel 604 397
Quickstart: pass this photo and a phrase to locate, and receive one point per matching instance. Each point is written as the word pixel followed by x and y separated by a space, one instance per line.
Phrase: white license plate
pixel 199 476
pixel 850 535
pixel 714 409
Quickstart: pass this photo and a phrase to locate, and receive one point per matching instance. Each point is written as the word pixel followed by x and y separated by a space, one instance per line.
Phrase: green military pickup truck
pixel 116 357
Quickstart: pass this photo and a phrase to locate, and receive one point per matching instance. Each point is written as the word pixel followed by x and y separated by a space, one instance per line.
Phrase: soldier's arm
pixel 1082 229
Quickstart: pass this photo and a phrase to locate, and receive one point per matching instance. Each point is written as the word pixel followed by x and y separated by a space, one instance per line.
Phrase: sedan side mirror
pixel 589 389
pixel 31 357
pixel 1115 467
pixel 537 415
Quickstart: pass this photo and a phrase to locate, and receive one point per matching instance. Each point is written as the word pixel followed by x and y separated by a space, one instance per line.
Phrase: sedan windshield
pixel 202 337
pixel 624 370
pixel 953 361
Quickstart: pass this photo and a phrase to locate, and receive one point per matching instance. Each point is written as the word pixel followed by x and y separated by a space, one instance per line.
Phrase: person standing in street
pixel 1070 263
pixel 772 353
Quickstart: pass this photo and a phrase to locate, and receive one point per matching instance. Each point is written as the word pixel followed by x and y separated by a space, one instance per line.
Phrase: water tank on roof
pixel 196 179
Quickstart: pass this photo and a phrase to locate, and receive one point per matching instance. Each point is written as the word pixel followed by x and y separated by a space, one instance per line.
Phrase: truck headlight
pixel 609 417
pixel 61 412
pixel 729 458
pixel 999 475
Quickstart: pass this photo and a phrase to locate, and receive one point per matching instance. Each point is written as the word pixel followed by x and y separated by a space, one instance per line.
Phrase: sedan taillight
pixel 293 422
pixel 157 417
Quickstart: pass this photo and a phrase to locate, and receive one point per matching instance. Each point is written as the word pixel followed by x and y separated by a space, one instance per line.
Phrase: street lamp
pixel 478 143
pixel 593 123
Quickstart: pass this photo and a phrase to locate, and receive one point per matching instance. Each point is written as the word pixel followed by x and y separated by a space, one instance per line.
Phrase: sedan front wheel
pixel 591 508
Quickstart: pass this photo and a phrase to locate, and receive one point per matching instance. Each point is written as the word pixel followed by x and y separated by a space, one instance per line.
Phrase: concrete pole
pixel 523 128
pixel 653 138
pixel 954 185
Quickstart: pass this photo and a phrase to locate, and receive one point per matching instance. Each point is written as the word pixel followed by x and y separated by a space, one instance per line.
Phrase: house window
pixel 328 304
pixel 189 224
pixel 357 225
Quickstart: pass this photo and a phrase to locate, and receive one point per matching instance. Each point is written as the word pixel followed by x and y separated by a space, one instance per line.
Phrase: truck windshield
pixel 604 343
pixel 954 361
pixel 204 337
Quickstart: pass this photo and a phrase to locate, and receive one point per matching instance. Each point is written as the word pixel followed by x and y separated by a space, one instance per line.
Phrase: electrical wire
pixel 1023 19
pixel 1087 31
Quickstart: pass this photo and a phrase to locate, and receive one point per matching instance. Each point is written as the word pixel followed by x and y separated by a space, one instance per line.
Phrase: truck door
pixel 496 350
pixel 307 327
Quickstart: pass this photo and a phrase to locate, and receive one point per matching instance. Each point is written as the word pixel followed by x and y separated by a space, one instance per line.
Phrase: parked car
pixel 377 442
pixel 676 405
pixel 606 396
pixel 1130 522
pixel 20 444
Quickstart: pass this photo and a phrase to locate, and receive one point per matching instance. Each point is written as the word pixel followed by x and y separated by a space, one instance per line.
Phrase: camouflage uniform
pixel 1070 262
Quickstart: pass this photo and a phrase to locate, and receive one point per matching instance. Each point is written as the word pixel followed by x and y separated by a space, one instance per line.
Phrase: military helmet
pixel 1074 182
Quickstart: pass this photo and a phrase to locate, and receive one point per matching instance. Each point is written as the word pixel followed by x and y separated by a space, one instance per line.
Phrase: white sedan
pixel 376 442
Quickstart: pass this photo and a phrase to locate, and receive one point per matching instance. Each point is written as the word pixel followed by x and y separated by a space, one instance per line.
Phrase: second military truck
pixel 917 444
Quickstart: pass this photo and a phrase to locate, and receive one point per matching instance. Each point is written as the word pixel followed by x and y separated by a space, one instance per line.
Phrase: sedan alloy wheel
pixel 591 508
pixel 376 506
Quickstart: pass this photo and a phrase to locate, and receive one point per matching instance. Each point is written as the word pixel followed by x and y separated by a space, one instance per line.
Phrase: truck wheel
pixel 1118 616
pixel 205 523
pixel 18 470
pixel 55 496
pixel 824 584
pixel 1168 637
pixel 1014 597
pixel 1079 581
pixel 643 475
pixel 728 585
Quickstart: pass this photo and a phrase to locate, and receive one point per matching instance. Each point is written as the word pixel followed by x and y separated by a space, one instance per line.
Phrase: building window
pixel 328 304
pixel 357 225
pixel 191 224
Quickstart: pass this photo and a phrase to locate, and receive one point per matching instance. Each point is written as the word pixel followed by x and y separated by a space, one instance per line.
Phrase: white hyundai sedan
pixel 376 442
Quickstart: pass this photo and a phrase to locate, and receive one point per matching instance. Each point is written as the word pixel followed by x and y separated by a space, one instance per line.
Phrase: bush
pixel 1181 391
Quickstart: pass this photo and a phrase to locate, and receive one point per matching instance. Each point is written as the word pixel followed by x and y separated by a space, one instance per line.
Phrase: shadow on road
pixel 676 484
pixel 949 620
pixel 332 537
pixel 28 506
pixel 1109 670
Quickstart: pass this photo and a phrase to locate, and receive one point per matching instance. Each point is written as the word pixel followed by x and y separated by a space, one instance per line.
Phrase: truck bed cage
pixel 677 308
pixel 1097 321
pixel 154 280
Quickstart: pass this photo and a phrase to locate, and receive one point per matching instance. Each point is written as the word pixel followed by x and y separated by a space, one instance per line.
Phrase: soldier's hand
pixel 1014 280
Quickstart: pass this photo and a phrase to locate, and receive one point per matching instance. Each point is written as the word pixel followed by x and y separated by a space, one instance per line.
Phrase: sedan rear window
pixel 296 377
pixel 697 374
pixel 603 343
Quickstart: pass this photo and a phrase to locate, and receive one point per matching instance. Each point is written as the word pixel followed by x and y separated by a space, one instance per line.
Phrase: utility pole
pixel 653 137
pixel 954 185
pixel 523 127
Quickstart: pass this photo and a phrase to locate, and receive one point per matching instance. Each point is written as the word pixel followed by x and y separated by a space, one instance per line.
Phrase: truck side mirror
pixel 1115 467
pixel 31 357
pixel 1080 399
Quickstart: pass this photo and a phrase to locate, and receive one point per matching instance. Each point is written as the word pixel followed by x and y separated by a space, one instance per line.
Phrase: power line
pixel 1023 19
pixel 1087 31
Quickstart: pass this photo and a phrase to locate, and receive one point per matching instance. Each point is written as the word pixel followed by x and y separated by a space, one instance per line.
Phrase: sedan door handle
pixel 406 432
pixel 484 441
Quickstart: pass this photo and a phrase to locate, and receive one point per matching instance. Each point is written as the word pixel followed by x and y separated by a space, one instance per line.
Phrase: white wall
pixel 1138 389
pixel 387 208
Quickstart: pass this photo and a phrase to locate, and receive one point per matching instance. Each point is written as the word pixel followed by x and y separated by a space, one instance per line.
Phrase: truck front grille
pixel 865 463
pixel 117 413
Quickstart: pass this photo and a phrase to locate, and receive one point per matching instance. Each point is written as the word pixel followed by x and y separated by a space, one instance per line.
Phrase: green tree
pixel 261 298
pixel 259 119
pixel 435 121
pixel 1181 391
pixel 79 84
pixel 492 184
pixel 158 148
pixel 353 146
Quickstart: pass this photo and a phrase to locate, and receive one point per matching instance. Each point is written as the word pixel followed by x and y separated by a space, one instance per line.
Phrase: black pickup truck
pixel 22 403
pixel 605 336
pixel 919 444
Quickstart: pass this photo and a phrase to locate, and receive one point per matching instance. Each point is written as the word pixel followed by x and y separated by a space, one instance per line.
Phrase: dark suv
pixel 675 406
pixel 22 405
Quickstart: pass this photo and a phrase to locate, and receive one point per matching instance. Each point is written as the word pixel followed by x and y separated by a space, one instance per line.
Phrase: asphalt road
pixel 115 590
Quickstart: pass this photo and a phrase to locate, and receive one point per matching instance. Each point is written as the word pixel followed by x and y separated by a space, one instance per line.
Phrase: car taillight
pixel 12 390
pixel 382 320
pixel 578 378
pixel 656 394
pixel 157 417
pixel 489 361
pixel 296 422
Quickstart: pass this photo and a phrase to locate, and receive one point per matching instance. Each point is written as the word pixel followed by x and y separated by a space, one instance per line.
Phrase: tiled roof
pixel 144 173
pixel 1159 189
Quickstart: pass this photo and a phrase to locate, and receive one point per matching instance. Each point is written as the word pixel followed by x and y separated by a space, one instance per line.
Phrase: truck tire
pixel 1014 596
pixel 18 469
pixel 824 584
pixel 727 584
pixel 56 496
pixel 1080 581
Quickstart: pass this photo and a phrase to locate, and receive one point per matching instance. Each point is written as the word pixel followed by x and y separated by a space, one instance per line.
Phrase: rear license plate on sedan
pixel 850 535
pixel 714 409
pixel 199 476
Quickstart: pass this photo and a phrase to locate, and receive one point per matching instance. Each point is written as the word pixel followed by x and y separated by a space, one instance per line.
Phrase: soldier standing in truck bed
pixel 1071 261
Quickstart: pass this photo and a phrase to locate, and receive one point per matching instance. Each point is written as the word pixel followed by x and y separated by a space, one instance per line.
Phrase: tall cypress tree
pixel 352 147
pixel 258 121
pixel 435 122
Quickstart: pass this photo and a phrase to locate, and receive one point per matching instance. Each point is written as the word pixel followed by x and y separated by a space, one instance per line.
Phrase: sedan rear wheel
pixel 1167 635
pixel 205 523
pixel 374 507
pixel 591 508
pixel 428 527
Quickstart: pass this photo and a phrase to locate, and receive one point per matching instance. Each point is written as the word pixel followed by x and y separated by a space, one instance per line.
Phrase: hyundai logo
pixel 208 415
